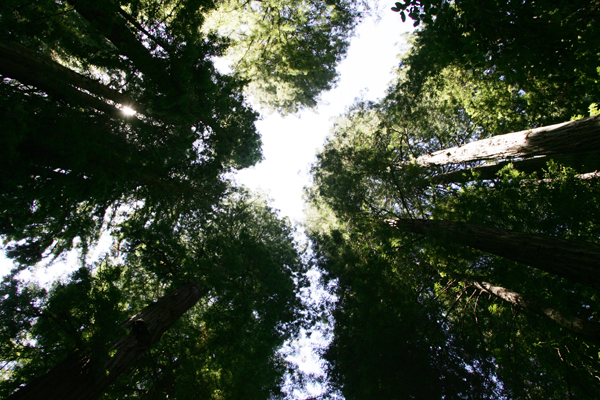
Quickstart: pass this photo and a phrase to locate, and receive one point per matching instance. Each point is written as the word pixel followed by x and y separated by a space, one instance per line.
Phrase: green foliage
pixel 390 339
pixel 78 158
pixel 287 50
pixel 459 84
pixel 18 313
pixel 557 203
pixel 496 337
pixel 75 159
pixel 155 180
pixel 224 346
pixel 42 327
pixel 558 73
pixel 217 350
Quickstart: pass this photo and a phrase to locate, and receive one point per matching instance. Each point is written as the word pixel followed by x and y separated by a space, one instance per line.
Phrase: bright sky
pixel 290 144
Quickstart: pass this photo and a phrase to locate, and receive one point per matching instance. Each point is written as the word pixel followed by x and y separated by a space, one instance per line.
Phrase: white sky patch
pixel 290 144
pixel 49 270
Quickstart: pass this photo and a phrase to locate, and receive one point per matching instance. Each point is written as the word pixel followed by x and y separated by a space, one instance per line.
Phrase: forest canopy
pixel 457 216
pixel 455 220
pixel 116 123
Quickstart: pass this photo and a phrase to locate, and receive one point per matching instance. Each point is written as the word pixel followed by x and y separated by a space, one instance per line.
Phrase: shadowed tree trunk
pixel 574 324
pixel 570 259
pixel 582 163
pixel 86 376
pixel 107 18
pixel 566 138
pixel 27 66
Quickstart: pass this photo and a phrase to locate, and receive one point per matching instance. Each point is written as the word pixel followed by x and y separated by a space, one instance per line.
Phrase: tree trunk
pixel 582 163
pixel 86 376
pixel 566 138
pixel 570 259
pixel 106 17
pixel 574 324
pixel 27 66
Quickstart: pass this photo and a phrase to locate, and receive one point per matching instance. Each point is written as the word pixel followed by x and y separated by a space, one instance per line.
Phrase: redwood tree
pixel 587 329
pixel 568 137
pixel 86 375
pixel 220 284
pixel 574 260
pixel 526 222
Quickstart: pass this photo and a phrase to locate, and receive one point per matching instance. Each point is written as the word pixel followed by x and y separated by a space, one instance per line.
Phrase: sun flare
pixel 128 111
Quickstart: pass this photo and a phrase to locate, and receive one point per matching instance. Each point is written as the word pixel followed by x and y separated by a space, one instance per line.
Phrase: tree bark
pixel 570 259
pixel 85 376
pixel 574 324
pixel 582 163
pixel 566 138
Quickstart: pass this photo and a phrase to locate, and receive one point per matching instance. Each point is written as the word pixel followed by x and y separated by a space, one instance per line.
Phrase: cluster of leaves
pixel 288 50
pixel 225 345
pixel 156 181
pixel 75 155
pixel 559 73
pixel 41 327
pixel 406 290
pixel 390 338
pixel 377 266
pixel 66 66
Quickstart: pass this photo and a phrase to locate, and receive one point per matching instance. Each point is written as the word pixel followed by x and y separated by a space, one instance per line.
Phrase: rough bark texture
pixel 573 260
pixel 566 138
pixel 27 66
pixel 85 376
pixel 574 324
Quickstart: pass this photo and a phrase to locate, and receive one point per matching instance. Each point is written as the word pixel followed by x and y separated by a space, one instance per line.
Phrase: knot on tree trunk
pixel 141 333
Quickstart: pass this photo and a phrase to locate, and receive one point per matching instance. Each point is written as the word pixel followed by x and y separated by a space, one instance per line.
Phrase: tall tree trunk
pixel 574 324
pixel 107 18
pixel 566 138
pixel 570 259
pixel 582 163
pixel 85 376
pixel 27 66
